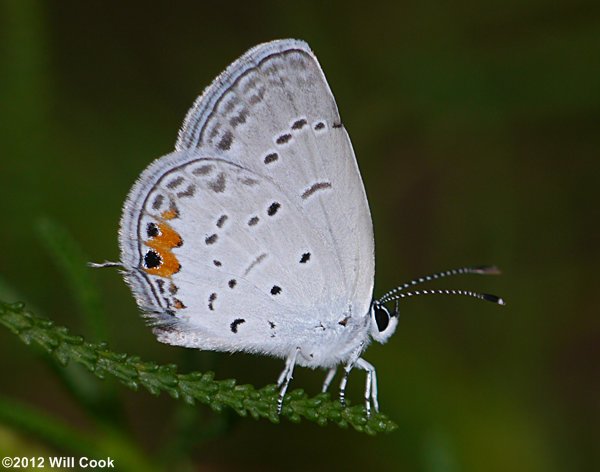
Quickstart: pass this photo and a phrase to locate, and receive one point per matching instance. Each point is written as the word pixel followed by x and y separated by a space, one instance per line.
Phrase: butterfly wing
pixel 257 228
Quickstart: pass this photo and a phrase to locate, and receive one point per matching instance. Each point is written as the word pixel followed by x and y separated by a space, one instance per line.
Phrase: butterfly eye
pixel 382 317
pixel 383 323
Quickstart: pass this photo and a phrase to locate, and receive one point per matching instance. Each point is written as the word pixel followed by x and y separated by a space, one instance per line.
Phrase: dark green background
pixel 476 128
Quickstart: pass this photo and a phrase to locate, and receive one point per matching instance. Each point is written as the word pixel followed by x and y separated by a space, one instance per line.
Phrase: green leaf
pixel 193 387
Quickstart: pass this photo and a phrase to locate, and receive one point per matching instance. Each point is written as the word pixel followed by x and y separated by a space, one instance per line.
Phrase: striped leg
pixel 347 369
pixel 285 377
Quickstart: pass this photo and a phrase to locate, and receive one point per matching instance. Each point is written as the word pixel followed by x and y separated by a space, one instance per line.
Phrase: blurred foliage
pixel 476 129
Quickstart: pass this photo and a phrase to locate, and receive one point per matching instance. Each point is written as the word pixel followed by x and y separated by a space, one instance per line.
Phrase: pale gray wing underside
pixel 263 190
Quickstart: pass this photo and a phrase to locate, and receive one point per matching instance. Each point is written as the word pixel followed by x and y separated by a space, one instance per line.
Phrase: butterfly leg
pixel 371 385
pixel 328 379
pixel 285 377
pixel 347 369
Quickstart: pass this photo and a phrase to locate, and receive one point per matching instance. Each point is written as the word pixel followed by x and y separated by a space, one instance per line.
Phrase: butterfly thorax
pixel 325 344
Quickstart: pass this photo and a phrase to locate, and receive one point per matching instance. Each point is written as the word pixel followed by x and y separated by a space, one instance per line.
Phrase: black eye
pixel 382 317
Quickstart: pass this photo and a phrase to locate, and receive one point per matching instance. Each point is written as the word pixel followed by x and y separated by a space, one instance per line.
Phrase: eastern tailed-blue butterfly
pixel 255 234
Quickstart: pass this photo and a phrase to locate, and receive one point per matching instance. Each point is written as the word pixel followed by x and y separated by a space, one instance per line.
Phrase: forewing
pixel 272 111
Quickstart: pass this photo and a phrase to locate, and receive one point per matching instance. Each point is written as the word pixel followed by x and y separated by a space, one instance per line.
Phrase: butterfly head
pixel 383 321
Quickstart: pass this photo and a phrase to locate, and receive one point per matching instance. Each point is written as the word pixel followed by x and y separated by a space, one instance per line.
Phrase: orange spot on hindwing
pixel 169 214
pixel 162 244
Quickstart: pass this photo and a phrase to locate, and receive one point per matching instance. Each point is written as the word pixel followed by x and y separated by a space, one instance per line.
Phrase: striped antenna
pixel 485 270
pixel 481 296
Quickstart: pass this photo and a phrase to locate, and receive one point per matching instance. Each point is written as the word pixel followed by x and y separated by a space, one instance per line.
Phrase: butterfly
pixel 255 234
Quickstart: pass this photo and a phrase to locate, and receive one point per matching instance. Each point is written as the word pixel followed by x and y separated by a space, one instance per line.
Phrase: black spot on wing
pixel 235 323
pixel 152 260
pixel 275 290
pixel 221 221
pixel 284 138
pixel 315 188
pixel 273 208
pixel 271 157
pixel 211 301
pixel 299 124
pixel 152 230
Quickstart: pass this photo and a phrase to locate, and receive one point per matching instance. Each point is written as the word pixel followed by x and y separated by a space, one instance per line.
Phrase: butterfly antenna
pixel 485 270
pixel 481 296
